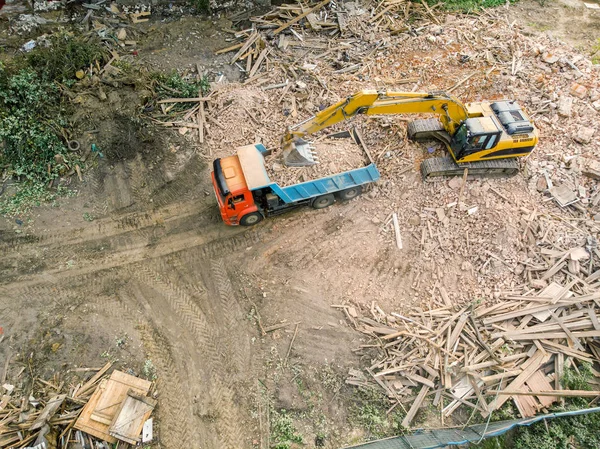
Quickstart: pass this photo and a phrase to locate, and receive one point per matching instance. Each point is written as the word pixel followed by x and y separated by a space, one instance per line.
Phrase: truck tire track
pixel 207 342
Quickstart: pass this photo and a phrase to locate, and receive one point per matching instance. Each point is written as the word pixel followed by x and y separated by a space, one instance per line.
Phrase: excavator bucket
pixel 299 153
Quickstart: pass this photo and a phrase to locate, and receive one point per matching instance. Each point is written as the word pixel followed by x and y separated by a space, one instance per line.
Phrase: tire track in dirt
pixel 130 249
pixel 107 227
pixel 174 409
pixel 207 342
pixel 231 314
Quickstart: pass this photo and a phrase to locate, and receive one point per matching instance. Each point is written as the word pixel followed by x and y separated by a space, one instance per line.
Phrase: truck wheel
pixel 323 201
pixel 350 193
pixel 251 219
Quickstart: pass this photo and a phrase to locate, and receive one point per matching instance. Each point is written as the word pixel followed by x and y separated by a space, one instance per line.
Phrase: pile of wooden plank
pixel 482 355
pixel 112 409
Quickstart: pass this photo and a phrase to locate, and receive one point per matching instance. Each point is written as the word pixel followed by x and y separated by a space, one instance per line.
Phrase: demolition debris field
pixel 312 326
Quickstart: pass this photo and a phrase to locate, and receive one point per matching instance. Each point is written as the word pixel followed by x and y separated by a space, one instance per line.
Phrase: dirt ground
pixel 139 269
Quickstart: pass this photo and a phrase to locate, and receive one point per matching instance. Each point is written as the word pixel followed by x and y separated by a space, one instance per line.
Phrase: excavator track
pixel 445 166
pixel 427 129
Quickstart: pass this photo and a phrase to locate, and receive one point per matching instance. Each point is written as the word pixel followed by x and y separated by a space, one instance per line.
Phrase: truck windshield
pixel 219 178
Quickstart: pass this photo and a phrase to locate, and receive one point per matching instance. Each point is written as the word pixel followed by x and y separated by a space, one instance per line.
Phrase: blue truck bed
pixel 329 184
pixel 308 189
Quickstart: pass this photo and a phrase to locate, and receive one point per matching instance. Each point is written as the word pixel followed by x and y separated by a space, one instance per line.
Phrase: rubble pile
pixel 102 410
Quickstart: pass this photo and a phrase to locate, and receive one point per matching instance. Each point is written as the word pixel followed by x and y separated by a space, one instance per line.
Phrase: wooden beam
pixel 552 335
pixel 416 405
pixel 537 360
pixel 183 100
pixel 253 37
pixel 90 383
pixel 564 393
pixel 301 16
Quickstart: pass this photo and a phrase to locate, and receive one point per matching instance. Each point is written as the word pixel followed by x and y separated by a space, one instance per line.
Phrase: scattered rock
pixel 565 106
pixel 541 184
pixel 440 213
pixel 584 134
pixel 578 90
pixel 455 183
pixel 549 58
pixel 591 169
pixel 415 220
pixel 538 283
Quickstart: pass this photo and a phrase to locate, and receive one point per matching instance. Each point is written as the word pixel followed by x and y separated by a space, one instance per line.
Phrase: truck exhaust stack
pixel 299 153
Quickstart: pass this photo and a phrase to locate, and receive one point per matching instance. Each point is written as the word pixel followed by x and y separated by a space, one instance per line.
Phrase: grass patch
pixel 595 53
pixel 580 431
pixel 283 432
pixel 369 412
pixel 468 5
pixel 175 85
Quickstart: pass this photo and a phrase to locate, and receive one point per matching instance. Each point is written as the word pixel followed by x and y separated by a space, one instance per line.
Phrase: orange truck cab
pixel 235 199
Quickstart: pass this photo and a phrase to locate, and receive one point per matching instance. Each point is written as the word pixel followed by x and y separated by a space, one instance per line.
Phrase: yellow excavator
pixel 484 137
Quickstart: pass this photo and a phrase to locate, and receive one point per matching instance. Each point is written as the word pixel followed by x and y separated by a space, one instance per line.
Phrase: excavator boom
pixel 297 152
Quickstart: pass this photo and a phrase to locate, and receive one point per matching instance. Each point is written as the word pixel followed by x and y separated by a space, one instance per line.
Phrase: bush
pixel 64 56
pixel 30 124
pixel 32 143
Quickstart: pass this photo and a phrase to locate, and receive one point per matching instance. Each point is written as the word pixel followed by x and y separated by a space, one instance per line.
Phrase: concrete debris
pixel 549 58
pixel 578 90
pixel 584 134
pixel 565 106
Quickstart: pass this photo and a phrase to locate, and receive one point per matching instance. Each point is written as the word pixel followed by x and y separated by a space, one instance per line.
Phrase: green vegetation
pixel 283 432
pixel 30 124
pixel 370 412
pixel 176 86
pixel 201 6
pixel 32 116
pixel 579 432
pixel 65 55
pixel 596 52
pixel 468 5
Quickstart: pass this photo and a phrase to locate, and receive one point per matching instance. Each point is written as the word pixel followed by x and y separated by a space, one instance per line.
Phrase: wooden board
pixel 48 411
pixel 553 289
pixel 105 403
pixel 85 422
pixel 527 405
pixel 529 367
pixel 116 391
pixel 128 422
pixel 539 382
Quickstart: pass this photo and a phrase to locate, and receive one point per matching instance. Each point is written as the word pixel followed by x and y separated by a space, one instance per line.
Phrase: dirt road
pixel 164 278
pixel 158 273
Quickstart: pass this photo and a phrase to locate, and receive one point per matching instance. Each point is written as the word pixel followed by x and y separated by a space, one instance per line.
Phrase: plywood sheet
pixel 116 391
pixel 130 419
pixel 101 409
pixel 86 424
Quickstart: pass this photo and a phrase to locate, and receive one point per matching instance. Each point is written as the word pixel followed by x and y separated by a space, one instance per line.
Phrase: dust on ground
pixel 141 252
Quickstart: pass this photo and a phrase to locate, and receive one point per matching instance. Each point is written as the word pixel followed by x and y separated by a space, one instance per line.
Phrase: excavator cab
pixel 474 135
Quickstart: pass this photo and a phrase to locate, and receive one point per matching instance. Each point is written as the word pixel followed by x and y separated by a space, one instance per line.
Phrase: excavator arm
pixel 370 102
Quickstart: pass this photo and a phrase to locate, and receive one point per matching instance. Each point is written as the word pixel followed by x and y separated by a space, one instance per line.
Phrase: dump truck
pixel 246 195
